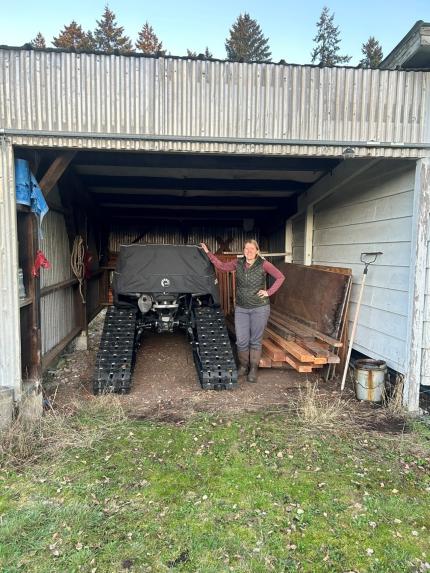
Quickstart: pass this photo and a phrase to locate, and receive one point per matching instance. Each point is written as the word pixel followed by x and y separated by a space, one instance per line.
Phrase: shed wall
pixel 374 213
pixel 425 363
pixel 58 314
pixel 10 356
pixel 219 106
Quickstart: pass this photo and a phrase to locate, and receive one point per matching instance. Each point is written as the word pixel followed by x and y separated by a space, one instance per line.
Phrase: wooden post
pixel 417 285
pixel 309 234
pixel 288 247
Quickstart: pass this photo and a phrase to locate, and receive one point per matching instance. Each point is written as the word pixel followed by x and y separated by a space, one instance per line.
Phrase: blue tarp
pixel 28 191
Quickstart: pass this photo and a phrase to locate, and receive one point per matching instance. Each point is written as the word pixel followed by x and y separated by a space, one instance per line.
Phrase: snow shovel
pixel 367 259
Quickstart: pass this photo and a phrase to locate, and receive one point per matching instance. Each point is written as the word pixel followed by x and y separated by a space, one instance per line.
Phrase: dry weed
pixel 58 430
pixel 394 403
pixel 316 409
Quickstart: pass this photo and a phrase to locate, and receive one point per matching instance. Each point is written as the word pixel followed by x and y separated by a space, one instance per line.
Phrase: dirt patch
pixel 166 388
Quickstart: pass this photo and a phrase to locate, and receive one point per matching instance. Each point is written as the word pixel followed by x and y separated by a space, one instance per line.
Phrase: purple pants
pixel 250 324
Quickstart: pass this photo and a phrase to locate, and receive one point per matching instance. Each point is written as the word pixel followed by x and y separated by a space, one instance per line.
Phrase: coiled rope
pixel 77 262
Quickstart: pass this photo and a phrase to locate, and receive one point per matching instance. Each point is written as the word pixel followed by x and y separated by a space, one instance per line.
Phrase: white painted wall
pixel 373 213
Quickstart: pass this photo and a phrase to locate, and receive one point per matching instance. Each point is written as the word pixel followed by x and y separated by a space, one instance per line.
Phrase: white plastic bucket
pixel 369 378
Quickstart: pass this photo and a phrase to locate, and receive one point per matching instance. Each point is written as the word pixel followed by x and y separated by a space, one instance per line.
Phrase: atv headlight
pixel 144 303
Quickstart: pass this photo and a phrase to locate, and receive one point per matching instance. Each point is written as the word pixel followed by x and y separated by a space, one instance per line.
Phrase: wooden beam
pixel 55 171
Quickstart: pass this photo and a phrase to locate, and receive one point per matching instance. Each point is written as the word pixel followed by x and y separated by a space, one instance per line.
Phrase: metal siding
pixel 55 245
pixel 172 234
pixel 10 345
pixel 92 94
pixel 373 214
pixel 58 317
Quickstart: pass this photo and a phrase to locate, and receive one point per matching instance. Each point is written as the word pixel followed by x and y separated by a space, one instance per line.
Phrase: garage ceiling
pixel 192 187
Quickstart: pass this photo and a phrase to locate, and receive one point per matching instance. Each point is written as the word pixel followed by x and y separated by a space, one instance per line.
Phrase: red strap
pixel 40 261
pixel 88 259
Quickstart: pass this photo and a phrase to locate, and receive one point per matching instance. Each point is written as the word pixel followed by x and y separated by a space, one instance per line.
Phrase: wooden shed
pixel 322 163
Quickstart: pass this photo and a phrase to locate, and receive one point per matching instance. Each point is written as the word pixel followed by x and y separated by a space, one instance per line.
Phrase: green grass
pixel 254 493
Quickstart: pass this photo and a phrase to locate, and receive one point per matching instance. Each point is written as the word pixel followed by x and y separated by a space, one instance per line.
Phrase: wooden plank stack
pixel 284 346
pixel 308 320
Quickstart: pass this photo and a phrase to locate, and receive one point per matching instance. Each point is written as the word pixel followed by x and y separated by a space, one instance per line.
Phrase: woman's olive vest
pixel 248 282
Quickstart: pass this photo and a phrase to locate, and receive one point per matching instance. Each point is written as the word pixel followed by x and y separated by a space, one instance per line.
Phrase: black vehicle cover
pixel 164 269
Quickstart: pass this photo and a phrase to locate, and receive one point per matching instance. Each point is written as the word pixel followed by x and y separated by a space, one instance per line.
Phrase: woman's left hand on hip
pixel 262 293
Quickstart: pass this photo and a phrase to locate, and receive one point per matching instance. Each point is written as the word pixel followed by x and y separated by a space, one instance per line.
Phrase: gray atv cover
pixel 164 269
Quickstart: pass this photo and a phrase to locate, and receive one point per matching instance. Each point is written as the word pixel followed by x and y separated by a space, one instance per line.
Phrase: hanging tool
pixel 367 259
pixel 78 262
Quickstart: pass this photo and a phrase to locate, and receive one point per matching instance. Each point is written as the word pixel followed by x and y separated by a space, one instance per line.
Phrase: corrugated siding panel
pixel 58 317
pixel 174 235
pixel 167 97
pixel 55 245
pixel 10 342
pixel 299 240
pixel 276 244
pixel 373 214
pixel 57 312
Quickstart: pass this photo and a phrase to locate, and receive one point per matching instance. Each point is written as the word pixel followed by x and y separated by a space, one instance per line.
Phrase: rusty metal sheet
pixel 313 296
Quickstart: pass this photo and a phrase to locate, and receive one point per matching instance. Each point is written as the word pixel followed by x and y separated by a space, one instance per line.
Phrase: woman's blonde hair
pixel 252 242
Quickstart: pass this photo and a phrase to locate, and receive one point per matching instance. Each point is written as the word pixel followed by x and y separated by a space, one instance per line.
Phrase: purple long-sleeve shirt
pixel 267 267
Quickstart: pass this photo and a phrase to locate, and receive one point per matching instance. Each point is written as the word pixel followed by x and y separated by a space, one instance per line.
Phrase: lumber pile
pixel 308 318
pixel 284 346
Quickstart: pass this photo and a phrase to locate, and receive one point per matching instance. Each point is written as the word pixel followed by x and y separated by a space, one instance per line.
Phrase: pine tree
pixel 38 41
pixel 147 41
pixel 109 37
pixel 246 42
pixel 327 42
pixel 372 52
pixel 72 37
pixel 206 55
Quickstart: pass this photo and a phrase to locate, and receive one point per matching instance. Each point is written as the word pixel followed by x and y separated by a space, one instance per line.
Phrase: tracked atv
pixel 163 288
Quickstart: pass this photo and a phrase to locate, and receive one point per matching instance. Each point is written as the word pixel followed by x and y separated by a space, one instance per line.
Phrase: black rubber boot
pixel 255 356
pixel 243 356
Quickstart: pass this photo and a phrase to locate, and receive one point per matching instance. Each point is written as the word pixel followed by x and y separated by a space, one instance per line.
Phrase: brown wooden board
pixel 272 350
pixel 289 346
pixel 303 331
pixel 312 296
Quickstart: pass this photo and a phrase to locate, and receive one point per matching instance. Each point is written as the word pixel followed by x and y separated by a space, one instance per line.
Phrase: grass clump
pixel 318 410
pixel 77 426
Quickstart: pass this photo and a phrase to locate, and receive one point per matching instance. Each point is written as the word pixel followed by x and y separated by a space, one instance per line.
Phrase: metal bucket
pixel 369 378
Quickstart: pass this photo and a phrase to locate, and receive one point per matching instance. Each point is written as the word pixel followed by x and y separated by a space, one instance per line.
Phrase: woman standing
pixel 252 303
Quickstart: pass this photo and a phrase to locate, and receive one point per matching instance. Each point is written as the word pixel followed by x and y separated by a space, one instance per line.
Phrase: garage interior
pixel 113 198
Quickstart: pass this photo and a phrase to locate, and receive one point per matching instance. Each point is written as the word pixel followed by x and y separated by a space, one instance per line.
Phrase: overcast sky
pixel 289 25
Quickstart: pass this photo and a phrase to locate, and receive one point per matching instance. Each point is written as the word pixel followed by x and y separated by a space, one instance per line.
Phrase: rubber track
pixel 116 355
pixel 213 355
